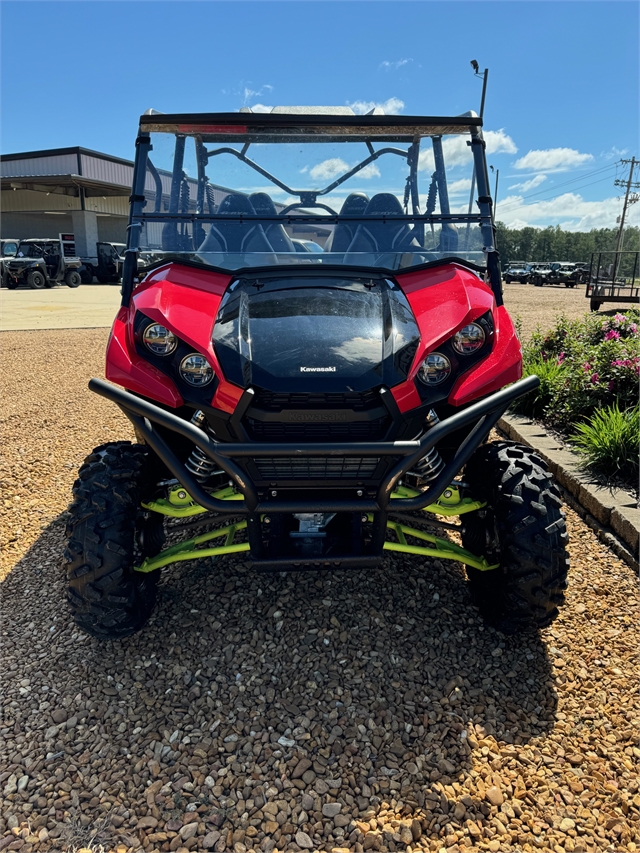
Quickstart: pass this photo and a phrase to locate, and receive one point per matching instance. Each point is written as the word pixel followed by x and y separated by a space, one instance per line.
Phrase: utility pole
pixel 628 199
pixel 636 185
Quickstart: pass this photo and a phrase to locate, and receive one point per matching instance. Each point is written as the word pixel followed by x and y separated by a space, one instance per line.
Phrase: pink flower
pixel 619 318
pixel 612 335
pixel 634 328
pixel 611 385
pixel 594 378
pixel 561 358
pixel 586 367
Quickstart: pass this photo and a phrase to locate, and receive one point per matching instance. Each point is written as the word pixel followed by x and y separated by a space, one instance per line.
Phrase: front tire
pixel 107 534
pixel 36 280
pixel 72 278
pixel 522 528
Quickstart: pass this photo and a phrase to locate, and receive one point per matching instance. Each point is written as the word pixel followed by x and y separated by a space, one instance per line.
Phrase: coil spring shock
pixel 428 468
pixel 198 462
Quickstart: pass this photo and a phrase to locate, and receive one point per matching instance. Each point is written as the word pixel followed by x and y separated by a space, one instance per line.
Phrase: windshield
pixel 32 250
pixel 232 198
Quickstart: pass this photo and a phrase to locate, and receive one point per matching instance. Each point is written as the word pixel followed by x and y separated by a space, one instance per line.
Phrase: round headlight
pixel 435 369
pixel 469 339
pixel 196 370
pixel 158 340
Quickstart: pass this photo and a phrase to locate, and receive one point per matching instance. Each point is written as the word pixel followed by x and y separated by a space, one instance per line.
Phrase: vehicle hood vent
pixel 315 333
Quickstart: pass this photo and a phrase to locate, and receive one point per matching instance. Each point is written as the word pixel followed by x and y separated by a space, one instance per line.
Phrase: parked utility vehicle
pixel 8 249
pixel 517 272
pixel 313 416
pixel 106 265
pixel 42 263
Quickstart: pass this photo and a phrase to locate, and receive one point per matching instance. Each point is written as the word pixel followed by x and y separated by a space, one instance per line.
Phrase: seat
pixel 235 237
pixel 339 241
pixel 383 236
pixel 274 231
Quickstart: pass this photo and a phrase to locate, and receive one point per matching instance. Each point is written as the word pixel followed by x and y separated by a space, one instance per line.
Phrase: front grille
pixel 355 431
pixel 317 468
pixel 333 416
pixel 356 400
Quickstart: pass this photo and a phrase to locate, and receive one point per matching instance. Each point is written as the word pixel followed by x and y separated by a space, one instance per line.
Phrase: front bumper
pixel 479 418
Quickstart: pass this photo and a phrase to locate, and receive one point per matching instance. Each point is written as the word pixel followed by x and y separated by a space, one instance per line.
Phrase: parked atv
pixel 312 416
pixel 42 263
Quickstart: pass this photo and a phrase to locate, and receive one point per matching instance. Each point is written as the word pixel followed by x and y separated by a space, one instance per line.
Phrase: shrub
pixel 536 403
pixel 609 442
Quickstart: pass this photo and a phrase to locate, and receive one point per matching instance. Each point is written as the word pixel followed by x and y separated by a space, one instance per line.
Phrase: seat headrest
pixel 263 203
pixel 384 204
pixel 355 203
pixel 235 203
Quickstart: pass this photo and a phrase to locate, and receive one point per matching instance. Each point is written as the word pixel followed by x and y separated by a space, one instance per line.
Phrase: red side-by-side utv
pixel 312 410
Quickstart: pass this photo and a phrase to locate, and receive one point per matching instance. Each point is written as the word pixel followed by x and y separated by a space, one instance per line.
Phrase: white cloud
pixel 260 108
pixel 456 152
pixel 569 210
pixel 329 169
pixel 525 186
pixel 392 106
pixel 388 66
pixel 461 186
pixel 370 171
pixel 336 166
pixel 552 160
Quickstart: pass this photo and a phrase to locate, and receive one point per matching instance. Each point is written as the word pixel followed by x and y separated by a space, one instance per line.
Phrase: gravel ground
pixel 291 712
pixel 541 305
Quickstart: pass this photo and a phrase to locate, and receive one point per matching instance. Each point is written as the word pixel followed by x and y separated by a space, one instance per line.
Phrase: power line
pixel 572 180
pixel 521 202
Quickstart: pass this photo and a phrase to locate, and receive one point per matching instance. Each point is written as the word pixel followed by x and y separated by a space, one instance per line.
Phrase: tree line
pixel 554 244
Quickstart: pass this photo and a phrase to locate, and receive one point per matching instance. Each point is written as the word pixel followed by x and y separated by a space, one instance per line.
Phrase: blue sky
pixel 562 98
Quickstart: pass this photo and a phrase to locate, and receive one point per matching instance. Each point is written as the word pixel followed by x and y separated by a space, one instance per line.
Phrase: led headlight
pixel 158 340
pixel 435 369
pixel 196 370
pixel 469 339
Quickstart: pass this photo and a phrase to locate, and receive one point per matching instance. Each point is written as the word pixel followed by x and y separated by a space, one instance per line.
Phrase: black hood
pixel 320 332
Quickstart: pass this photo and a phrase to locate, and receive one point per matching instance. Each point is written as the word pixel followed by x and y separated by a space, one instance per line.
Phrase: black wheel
pixel 107 534
pixel 36 280
pixel 11 283
pixel 594 305
pixel 103 279
pixel 522 528
pixel 507 280
pixel 538 282
pixel 72 278
pixel 86 275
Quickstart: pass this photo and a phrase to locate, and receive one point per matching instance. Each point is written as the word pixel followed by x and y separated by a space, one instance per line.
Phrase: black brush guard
pixel 481 417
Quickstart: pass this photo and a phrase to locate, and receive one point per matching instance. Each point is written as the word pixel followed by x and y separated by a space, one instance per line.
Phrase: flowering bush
pixel 585 367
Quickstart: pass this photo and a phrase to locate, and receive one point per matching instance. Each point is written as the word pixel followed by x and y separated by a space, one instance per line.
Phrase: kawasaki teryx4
pixel 312 410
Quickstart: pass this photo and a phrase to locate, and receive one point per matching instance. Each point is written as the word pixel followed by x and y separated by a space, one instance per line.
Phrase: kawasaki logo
pixel 306 417
pixel 318 370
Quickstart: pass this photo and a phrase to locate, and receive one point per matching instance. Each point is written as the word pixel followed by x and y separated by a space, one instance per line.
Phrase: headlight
pixel 196 370
pixel 435 369
pixel 158 340
pixel 469 339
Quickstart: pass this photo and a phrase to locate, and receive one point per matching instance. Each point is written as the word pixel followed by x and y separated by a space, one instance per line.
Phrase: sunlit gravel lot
pixel 368 711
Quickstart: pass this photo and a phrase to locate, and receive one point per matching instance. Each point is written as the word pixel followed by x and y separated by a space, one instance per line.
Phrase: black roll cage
pixel 264 127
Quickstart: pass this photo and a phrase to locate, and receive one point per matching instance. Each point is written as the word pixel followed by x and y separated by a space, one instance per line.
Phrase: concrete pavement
pixel 84 307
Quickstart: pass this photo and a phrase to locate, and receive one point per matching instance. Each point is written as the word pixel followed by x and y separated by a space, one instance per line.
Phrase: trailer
pixel 613 277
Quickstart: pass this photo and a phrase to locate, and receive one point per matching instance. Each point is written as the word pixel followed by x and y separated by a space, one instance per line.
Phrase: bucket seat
pixel 235 237
pixel 274 231
pixel 380 236
pixel 354 204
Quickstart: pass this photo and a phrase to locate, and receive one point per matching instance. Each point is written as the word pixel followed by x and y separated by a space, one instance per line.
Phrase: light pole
pixel 484 76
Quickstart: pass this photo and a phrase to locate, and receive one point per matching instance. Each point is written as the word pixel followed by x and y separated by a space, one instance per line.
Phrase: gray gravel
pixel 364 711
